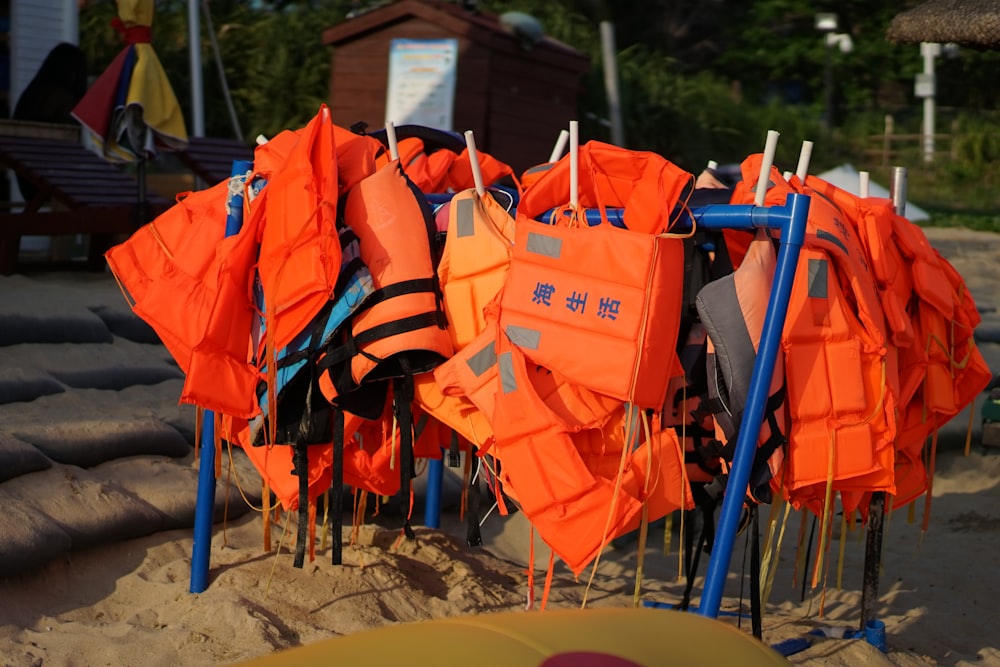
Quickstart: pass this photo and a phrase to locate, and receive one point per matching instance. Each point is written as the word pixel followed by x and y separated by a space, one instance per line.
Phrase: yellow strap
pixel 614 500
pixel 772 524
pixel 827 507
pixel 769 583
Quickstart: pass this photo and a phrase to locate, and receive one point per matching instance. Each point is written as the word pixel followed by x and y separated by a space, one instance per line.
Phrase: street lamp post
pixel 827 23
pixel 925 87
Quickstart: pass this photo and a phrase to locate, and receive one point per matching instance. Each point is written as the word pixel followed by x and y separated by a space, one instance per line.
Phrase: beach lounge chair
pixel 211 159
pixel 78 193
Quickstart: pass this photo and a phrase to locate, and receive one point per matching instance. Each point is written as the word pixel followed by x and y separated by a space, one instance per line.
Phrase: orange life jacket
pixel 474 263
pixel 573 290
pixel 732 309
pixel 931 319
pixel 400 331
pixel 647 186
pixel 189 282
pixel 300 247
pixel 841 372
pixel 401 328
pixel 559 460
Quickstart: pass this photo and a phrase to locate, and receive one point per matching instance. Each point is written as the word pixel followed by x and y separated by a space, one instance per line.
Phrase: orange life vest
pixel 841 372
pixel 474 263
pixel 647 186
pixel 732 309
pixel 189 282
pixel 560 456
pixel 931 319
pixel 575 290
pixel 299 259
pixel 401 328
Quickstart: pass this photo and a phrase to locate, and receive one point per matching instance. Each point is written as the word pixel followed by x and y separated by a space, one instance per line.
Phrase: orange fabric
pixel 645 184
pixel 560 447
pixel 355 157
pixel 190 283
pixel 455 411
pixel 541 467
pixel 474 263
pixel 841 373
pixel 931 320
pixel 471 375
pixel 395 245
pixel 274 462
pixel 300 249
pixel 460 172
pixel 750 285
pixel 573 290
pixel 442 170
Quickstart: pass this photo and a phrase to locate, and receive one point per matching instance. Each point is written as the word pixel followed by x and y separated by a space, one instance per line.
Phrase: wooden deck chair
pixel 83 194
pixel 211 159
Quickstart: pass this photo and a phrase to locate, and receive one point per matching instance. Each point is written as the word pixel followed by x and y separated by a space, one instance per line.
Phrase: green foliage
pixel 699 80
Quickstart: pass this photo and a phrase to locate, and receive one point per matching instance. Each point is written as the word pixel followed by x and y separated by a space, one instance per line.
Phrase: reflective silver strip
pixel 507 380
pixel 524 337
pixel 818 271
pixel 540 168
pixel 544 245
pixel 464 224
pixel 483 360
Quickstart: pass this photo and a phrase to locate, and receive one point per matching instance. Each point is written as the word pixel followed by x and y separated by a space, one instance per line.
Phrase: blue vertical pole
pixel 792 237
pixel 204 511
pixel 432 503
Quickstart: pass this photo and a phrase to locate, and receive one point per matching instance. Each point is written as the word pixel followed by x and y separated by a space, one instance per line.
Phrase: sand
pixel 77 593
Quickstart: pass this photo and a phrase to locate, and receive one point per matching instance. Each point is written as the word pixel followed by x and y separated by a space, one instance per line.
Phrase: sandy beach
pixel 98 482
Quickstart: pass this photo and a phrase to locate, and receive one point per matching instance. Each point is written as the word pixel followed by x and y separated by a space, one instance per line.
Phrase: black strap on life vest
pixel 300 415
pixel 337 488
pixel 473 535
pixel 402 392
pixel 454 454
pixel 755 600
pixel 705 542
pixel 300 463
pixel 759 472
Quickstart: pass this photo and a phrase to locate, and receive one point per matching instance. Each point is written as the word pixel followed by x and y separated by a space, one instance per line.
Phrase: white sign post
pixel 421 87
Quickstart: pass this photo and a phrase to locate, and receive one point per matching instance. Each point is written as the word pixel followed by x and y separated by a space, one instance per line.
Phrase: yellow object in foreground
pixel 564 638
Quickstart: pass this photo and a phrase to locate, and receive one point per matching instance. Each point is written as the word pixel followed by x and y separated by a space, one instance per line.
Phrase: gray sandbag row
pixel 31 370
pixel 52 512
pixel 86 427
pixel 67 308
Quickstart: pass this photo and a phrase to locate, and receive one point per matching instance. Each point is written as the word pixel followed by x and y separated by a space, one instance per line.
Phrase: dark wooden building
pixel 515 94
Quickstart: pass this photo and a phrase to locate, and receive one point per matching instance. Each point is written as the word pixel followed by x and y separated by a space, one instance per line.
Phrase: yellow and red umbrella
pixel 131 111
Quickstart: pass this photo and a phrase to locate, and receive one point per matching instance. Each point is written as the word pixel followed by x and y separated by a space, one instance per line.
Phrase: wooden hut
pixel 516 92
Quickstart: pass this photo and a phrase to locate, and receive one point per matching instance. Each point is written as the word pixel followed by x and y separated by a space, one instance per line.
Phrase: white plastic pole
pixel 804 156
pixel 863 189
pixel 477 173
pixel 712 164
pixel 390 135
pixel 787 175
pixel 261 140
pixel 560 146
pixel 574 163
pixel 770 146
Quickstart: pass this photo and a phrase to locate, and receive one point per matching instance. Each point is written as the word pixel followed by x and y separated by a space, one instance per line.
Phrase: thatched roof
pixel 967 22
